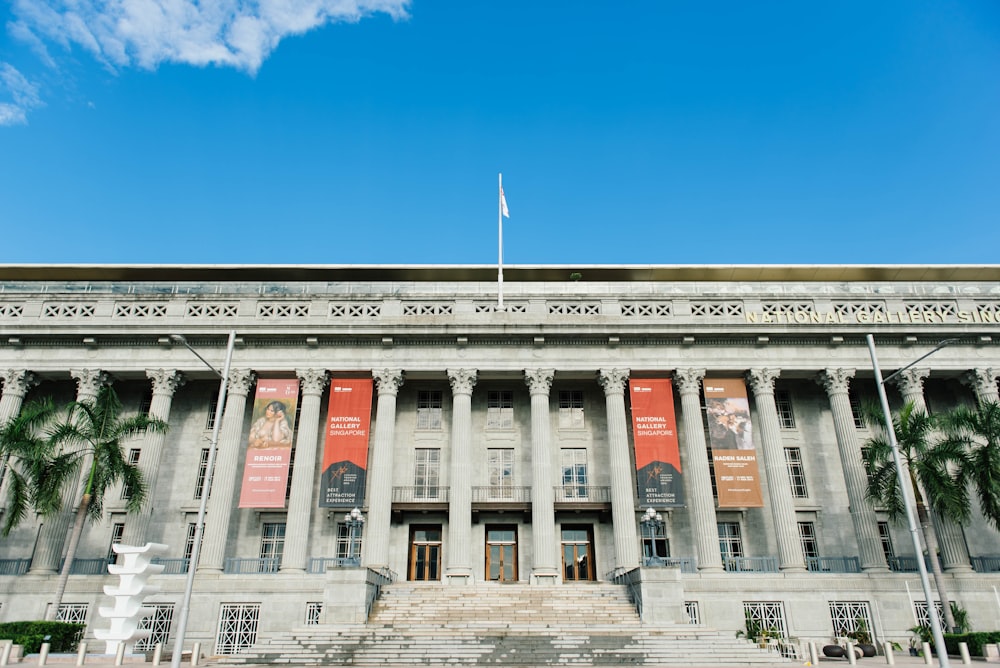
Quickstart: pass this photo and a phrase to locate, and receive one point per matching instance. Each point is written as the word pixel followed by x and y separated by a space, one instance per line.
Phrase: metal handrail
pixel 833 564
pixel 501 494
pixel 244 565
pixel 582 494
pixel 436 494
pixel 751 564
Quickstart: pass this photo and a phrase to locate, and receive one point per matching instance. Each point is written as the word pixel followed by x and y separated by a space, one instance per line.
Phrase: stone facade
pixel 469 398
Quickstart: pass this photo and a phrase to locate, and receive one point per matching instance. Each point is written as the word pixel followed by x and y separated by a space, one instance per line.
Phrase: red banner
pixel 657 455
pixel 269 447
pixel 734 458
pixel 345 452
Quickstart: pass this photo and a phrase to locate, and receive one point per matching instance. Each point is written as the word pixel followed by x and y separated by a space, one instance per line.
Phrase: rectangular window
pixel 500 410
pixel 426 473
pixel 133 459
pixel 856 412
pixel 923 615
pixel 796 473
pixel 348 546
pixel 500 465
pixel 117 532
pixel 237 627
pixel 145 402
pixel 314 612
pixel 730 540
pixel 74 613
pixel 189 542
pixel 202 472
pixel 571 410
pixel 693 614
pixel 783 402
pixel 272 545
pixel 158 624
pixel 213 405
pixel 429 409
pixel 770 615
pixel 655 545
pixel 807 538
pixel 851 617
pixel 574 473
pixel 885 537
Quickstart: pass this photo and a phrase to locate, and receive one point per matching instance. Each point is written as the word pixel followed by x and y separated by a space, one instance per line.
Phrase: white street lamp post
pixel 206 485
pixel 904 487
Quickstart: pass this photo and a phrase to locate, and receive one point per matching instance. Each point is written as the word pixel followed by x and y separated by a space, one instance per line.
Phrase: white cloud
pixel 23 96
pixel 145 33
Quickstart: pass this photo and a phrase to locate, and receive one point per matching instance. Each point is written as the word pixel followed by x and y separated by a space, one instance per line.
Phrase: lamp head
pixel 178 338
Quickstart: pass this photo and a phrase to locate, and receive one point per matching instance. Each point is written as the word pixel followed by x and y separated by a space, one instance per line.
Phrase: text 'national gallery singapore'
pixel 501 441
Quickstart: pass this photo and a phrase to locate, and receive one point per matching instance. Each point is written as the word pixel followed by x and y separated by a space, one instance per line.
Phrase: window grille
pixel 212 309
pixel 574 473
pixel 74 613
pixel 571 410
pixel 500 410
pixel 117 532
pixel 646 310
pixel 158 625
pixel 133 459
pixel 55 310
pixel 575 308
pixel 885 537
pixel 11 310
pixel 730 540
pixel 282 310
pixel 770 615
pixel 429 409
pixel 426 473
pixel 500 466
pixel 314 612
pixel 213 405
pixel 796 473
pixel 237 627
pixel 202 472
pixel 145 402
pixel 344 540
pixel 189 541
pixel 807 538
pixel 849 616
pixel 923 616
pixel 355 310
pixel 856 412
pixel 272 541
pixel 139 310
pixel 783 402
pixel 717 309
pixel 427 309
pixel 693 613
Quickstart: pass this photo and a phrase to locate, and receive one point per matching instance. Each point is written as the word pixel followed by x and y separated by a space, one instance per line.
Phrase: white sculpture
pixel 129 594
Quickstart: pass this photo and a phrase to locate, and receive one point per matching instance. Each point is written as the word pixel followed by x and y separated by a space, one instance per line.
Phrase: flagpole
pixel 500 241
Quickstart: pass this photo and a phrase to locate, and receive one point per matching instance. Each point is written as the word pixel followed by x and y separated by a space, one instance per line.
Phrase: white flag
pixel 503 204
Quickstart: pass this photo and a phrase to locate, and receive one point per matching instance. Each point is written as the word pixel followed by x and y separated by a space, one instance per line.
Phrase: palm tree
pixel 936 485
pixel 978 431
pixel 86 445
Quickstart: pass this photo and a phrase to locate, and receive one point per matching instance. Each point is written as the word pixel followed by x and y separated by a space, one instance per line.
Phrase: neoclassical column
pixel 950 537
pixel 545 566
pixel 227 462
pixel 779 488
pixel 698 475
pixel 16 383
pixel 300 503
pixel 622 488
pixel 460 493
pixel 52 537
pixel 375 546
pixel 984 383
pixel 165 383
pixel 836 382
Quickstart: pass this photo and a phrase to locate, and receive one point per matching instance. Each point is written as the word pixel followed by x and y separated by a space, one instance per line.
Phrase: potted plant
pixel 862 638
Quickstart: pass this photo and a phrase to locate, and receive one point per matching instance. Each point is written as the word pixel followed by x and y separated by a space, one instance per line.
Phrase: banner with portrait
pixel 269 446
pixel 345 450
pixel 657 453
pixel 734 457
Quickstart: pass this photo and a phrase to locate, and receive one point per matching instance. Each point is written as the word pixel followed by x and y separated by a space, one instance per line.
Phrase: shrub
pixel 63 636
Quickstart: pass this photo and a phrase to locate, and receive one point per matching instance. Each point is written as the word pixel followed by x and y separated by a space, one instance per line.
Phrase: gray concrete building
pixel 502 440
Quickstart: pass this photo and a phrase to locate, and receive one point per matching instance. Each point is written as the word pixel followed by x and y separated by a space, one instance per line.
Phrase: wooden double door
pixel 577 542
pixel 425 553
pixel 501 553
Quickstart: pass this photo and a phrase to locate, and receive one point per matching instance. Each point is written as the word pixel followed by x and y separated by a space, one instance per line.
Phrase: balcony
pixel 251 566
pixel 14 566
pixel 751 564
pixel 319 565
pixel 686 564
pixel 989 564
pixel 578 498
pixel 172 566
pixel 501 499
pixel 418 499
pixel 833 564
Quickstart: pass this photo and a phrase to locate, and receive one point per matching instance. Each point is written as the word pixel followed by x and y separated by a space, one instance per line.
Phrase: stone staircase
pixel 505 625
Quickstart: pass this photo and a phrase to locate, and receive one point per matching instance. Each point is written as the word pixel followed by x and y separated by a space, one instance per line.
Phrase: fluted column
pixel 950 537
pixel 984 383
pixel 375 547
pixel 165 383
pixel 836 383
pixel 460 493
pixel 52 537
pixel 545 567
pixel 227 462
pixel 622 488
pixel 779 488
pixel 698 475
pixel 300 503
pixel 16 383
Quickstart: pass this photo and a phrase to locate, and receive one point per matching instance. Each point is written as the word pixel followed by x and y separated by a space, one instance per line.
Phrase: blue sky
pixel 372 131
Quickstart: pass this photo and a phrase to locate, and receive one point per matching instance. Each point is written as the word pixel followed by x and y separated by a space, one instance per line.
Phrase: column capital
pixel 613 380
pixel 462 380
pixel 165 381
pixel 539 381
pixel 688 381
pixel 89 381
pixel 982 381
pixel 388 381
pixel 762 380
pixel 240 381
pixel 17 382
pixel 911 381
pixel 835 381
pixel 313 381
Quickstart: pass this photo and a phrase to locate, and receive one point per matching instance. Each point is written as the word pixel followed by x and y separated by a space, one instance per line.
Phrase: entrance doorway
pixel 501 553
pixel 578 553
pixel 425 553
